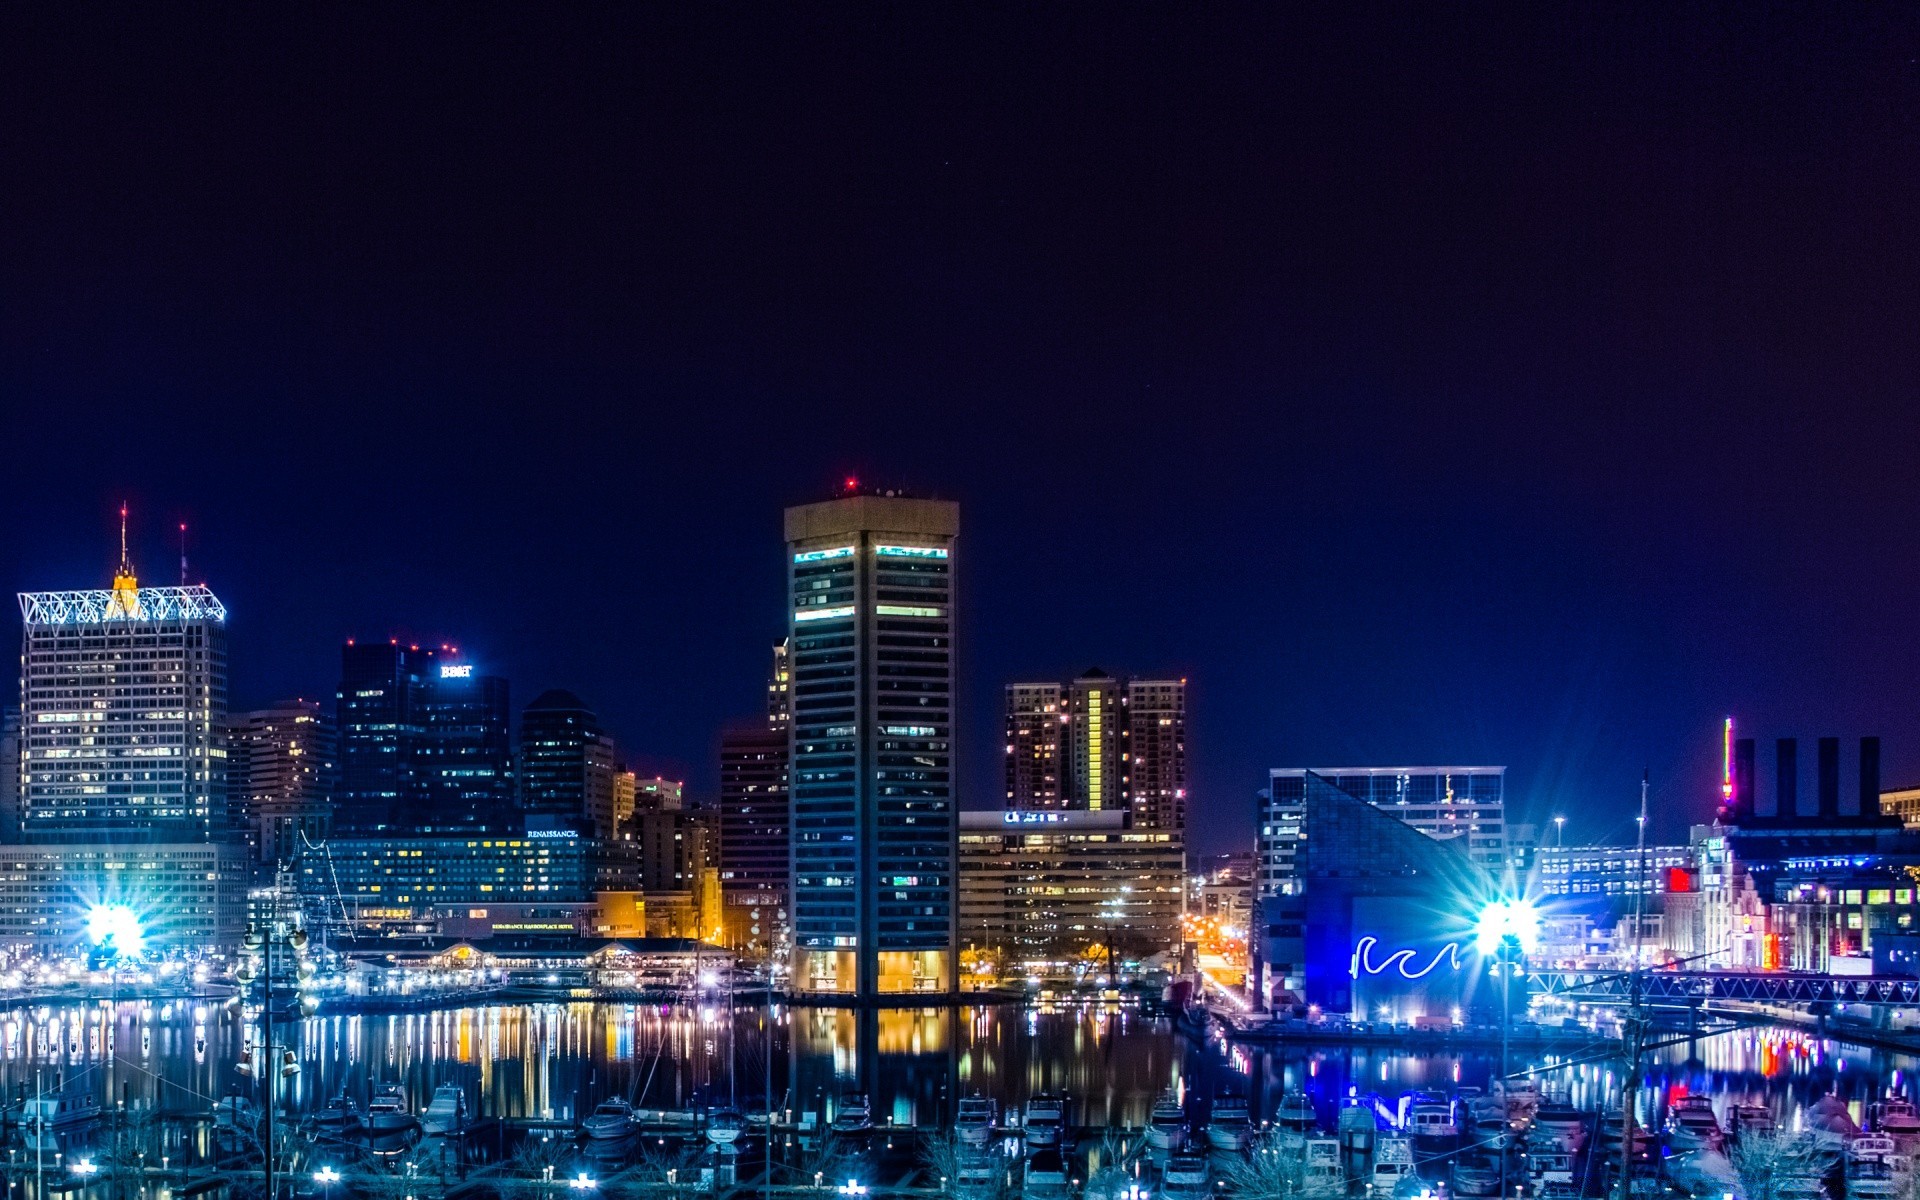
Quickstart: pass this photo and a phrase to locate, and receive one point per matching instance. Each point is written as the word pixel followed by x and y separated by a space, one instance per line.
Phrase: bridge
pixel 1698 987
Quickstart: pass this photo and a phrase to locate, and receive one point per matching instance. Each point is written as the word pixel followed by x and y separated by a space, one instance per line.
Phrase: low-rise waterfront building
pixel 1041 889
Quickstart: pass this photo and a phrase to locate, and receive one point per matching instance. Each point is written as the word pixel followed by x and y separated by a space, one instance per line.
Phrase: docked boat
pixel 854 1114
pixel 1704 1173
pixel 1296 1113
pixel 447 1111
pixel 1167 1124
pixel 725 1126
pixel 1549 1169
pixel 235 1114
pixel 979 1175
pixel 1323 1177
pixel 975 1118
pixel 1185 1174
pixel 1876 1146
pixel 57 1114
pixel 1476 1175
pixel 1557 1126
pixel 610 1120
pixel 1046 1176
pixel 1491 1134
pixel 1230 1127
pixel 1693 1128
pixel 1871 1179
pixel 1743 1119
pixel 1045 1121
pixel 1392 1163
pixel 1432 1122
pixel 388 1110
pixel 341 1112
pixel 1897 1119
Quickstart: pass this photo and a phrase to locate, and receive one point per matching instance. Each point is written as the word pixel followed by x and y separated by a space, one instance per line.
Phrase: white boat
pixel 725 1127
pixel 1743 1119
pixel 1324 1177
pixel 1491 1134
pixel 1871 1179
pixel 1167 1124
pixel 1296 1113
pixel 341 1112
pixel 1693 1129
pixel 1432 1121
pixel 447 1111
pixel 57 1114
pixel 1557 1127
pixel 1045 1120
pixel 853 1114
pixel 1046 1177
pixel 1185 1174
pixel 979 1175
pixel 388 1110
pixel 1230 1127
pixel 1897 1119
pixel 975 1118
pixel 1872 1146
pixel 1476 1175
pixel 1550 1168
pixel 235 1114
pixel 610 1120
pixel 1392 1162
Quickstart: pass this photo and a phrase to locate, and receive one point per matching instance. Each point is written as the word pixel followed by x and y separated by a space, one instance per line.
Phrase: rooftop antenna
pixel 183 554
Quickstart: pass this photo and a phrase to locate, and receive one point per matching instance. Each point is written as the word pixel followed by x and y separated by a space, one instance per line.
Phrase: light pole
pixel 288 1064
pixel 1560 832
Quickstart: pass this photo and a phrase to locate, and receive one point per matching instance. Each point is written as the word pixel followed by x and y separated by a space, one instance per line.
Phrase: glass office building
pixel 871 651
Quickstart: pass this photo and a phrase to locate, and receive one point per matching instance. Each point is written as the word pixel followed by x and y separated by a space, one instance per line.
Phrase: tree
pixel 1767 1163
pixel 1275 1168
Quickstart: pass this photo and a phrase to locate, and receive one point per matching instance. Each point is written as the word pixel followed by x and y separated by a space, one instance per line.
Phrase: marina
pixel 1066 1100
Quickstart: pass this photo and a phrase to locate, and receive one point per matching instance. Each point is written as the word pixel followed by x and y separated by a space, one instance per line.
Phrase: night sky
pixel 1462 384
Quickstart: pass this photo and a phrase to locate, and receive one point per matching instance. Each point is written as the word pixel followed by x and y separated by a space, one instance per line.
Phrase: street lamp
pixel 1560 832
pixel 326 1177
pixel 85 1168
pixel 1508 930
pixel 583 1182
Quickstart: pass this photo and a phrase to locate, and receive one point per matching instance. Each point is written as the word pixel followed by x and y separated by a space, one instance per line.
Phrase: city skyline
pixel 1538 405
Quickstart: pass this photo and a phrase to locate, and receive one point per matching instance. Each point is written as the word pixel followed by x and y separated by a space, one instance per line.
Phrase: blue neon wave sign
pixel 1400 960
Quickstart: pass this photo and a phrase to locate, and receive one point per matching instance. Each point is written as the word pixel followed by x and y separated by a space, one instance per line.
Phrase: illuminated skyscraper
pixel 780 688
pixel 123 694
pixel 567 770
pixel 1100 745
pixel 873 801
pixel 426 745
pixel 279 767
pixel 1036 739
pixel 122 779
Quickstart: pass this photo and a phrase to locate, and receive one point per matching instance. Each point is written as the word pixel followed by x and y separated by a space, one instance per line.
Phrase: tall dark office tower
pixel 567 768
pixel 871 586
pixel 9 774
pixel 280 763
pixel 1157 753
pixel 1036 746
pixel 123 694
pixel 382 721
pixel 753 837
pixel 467 758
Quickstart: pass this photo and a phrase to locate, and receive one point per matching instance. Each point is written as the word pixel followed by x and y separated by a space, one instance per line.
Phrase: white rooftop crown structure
pixel 100 605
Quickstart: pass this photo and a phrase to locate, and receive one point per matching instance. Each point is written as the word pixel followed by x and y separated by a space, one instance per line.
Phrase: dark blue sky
pixel 1509 385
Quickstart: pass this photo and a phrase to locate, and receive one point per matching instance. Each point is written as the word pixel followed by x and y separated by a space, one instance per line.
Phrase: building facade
pixel 280 766
pixel 754 825
pixel 1609 871
pixel 1465 806
pixel 120 775
pixel 1043 890
pixel 1098 744
pixel 568 777
pixel 871 637
pixel 425 745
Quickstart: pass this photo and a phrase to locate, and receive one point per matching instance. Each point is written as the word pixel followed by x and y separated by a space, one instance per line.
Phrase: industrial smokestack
pixel 1870 778
pixel 1786 779
pixel 1829 771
